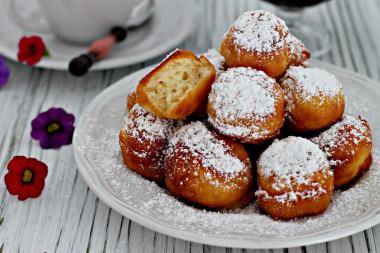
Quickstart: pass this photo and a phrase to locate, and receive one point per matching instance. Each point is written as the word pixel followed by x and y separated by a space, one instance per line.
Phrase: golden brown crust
pixel 311 102
pixel 258 126
pixel 347 145
pixel 190 99
pixel 315 115
pixel 273 64
pixel 294 208
pixel 131 99
pixel 142 151
pixel 205 185
pixel 297 52
pixel 257 40
pixel 301 187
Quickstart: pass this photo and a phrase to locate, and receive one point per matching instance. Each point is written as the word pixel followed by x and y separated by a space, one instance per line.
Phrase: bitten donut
pixel 142 140
pixel 257 39
pixel 246 105
pixel 297 52
pixel 177 86
pixel 294 179
pixel 347 145
pixel 207 168
pixel 314 98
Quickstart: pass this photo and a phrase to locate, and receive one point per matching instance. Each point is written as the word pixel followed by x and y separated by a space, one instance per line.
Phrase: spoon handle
pixel 79 65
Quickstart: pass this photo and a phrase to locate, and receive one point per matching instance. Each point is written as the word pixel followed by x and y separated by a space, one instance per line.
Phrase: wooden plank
pixel 359 243
pixel 113 231
pixel 316 248
pixel 338 246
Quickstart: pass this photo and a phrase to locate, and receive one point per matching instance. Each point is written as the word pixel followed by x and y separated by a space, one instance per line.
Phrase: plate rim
pixel 116 204
pixel 110 63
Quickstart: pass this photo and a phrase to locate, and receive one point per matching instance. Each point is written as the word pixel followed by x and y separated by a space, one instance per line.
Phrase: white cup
pixel 75 21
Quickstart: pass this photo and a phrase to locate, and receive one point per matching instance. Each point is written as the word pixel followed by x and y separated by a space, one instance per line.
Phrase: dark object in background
pixel 295 3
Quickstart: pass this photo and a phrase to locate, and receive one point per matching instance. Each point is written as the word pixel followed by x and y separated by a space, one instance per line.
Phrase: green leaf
pixel 1 221
pixel 47 53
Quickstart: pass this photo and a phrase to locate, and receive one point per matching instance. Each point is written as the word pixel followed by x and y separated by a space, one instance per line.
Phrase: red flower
pixel 31 50
pixel 26 177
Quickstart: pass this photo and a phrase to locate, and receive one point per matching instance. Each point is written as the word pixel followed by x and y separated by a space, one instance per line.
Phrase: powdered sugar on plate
pixel 152 200
pixel 97 143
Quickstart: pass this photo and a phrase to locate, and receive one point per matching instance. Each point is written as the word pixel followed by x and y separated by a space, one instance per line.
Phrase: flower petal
pixel 11 179
pixel 60 139
pixel 34 191
pixel 32 162
pixel 68 119
pixel 14 189
pixel 69 129
pixel 39 134
pixel 17 164
pixel 39 184
pixel 24 193
pixel 40 170
pixel 4 74
pixel 56 114
pixel 45 143
pixel 41 120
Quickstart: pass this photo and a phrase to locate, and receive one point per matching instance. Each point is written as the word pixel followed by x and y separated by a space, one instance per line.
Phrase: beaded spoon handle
pixel 97 51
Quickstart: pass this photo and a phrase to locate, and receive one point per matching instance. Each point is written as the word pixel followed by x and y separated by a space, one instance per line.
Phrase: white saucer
pixel 169 26
pixel 99 160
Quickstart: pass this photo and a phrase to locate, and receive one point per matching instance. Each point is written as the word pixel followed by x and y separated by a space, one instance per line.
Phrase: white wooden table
pixel 68 217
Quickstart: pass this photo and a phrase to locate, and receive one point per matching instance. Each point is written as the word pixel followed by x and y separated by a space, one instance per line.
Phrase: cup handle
pixel 34 22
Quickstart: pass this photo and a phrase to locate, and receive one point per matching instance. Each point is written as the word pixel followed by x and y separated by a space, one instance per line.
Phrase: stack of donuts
pixel 251 121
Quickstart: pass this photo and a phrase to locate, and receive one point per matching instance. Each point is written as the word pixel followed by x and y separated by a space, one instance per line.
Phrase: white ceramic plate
pixel 99 160
pixel 169 26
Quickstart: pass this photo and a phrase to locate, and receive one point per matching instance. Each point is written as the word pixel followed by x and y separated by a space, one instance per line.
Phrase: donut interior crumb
pixel 167 88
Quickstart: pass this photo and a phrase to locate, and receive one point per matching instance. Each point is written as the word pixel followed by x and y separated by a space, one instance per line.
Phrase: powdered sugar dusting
pixel 199 141
pixel 349 131
pixel 292 161
pixel 97 142
pixel 242 94
pixel 292 195
pixel 146 126
pixel 154 201
pixel 297 52
pixel 258 31
pixel 308 83
pixel 217 60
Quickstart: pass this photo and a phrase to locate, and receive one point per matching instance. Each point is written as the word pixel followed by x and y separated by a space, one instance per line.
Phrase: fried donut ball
pixel 131 98
pixel 294 179
pixel 177 86
pixel 314 98
pixel 142 140
pixel 347 145
pixel 297 52
pixel 246 105
pixel 257 39
pixel 207 168
pixel 220 65
pixel 217 60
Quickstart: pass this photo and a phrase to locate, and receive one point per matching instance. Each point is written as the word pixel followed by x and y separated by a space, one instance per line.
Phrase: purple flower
pixel 53 128
pixel 4 72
